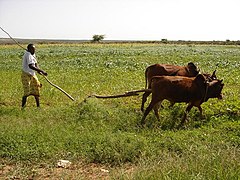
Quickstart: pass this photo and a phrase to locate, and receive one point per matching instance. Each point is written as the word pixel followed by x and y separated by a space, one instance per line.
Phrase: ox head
pixel 215 86
pixel 192 69
pixel 210 86
pixel 215 89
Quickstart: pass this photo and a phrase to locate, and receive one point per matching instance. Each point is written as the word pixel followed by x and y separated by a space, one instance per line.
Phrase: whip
pixel 40 73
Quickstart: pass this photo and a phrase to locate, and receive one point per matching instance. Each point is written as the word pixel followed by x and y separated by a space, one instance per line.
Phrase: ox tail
pixel 146 79
pixel 126 94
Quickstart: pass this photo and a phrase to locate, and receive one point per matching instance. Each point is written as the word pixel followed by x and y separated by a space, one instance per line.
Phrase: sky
pixel 121 19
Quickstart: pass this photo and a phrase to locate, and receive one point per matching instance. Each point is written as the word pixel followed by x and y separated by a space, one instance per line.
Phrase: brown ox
pixel 193 91
pixel 190 70
pixel 207 76
pixel 170 70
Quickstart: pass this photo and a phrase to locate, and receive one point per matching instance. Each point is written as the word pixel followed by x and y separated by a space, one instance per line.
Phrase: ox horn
pixel 214 74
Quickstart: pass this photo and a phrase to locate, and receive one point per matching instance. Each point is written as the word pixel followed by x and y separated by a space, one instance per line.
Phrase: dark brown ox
pixel 190 70
pixel 207 76
pixel 193 91
pixel 170 70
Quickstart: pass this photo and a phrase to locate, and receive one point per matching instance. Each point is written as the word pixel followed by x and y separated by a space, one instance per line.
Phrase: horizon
pixel 158 40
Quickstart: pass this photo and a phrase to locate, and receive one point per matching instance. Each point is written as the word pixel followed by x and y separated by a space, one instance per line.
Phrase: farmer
pixel 31 85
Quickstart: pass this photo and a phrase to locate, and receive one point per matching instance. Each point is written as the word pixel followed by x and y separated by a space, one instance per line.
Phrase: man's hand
pixel 43 73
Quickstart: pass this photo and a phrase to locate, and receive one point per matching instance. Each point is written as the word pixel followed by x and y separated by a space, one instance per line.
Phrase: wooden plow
pixel 126 94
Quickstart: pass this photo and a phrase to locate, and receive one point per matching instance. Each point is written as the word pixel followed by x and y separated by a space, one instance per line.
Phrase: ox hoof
pixel 142 123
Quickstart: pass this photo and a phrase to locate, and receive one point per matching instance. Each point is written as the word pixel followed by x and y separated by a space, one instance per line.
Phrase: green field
pixel 99 134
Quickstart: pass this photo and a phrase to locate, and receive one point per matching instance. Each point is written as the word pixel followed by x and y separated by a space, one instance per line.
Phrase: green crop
pixel 107 132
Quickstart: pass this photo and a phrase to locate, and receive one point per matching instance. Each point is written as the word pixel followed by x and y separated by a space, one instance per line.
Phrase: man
pixel 31 85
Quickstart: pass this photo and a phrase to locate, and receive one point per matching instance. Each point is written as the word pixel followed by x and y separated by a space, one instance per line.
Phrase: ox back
pixel 170 70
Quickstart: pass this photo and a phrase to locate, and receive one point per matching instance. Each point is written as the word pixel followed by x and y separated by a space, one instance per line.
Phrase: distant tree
pixel 164 40
pixel 98 38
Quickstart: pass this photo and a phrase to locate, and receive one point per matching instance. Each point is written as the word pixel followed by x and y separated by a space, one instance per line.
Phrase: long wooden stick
pixel 12 38
pixel 58 88
pixel 126 94
pixel 112 96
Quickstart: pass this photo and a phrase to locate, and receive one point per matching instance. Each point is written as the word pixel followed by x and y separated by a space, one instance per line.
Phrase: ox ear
pixel 221 82
pixel 200 80
pixel 191 64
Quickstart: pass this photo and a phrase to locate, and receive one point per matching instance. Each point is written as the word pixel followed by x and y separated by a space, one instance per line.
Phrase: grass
pixel 96 133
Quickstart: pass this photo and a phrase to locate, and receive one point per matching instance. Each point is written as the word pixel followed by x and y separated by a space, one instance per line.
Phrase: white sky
pixel 121 19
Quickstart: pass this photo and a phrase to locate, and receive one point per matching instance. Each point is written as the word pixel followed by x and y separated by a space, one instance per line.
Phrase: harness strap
pixel 206 90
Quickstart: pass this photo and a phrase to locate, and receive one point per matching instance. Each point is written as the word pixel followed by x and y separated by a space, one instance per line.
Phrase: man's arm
pixel 31 66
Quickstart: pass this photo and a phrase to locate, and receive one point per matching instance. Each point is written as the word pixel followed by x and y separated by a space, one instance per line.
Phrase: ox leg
pixel 156 108
pixel 144 99
pixel 148 109
pixel 189 107
pixel 171 104
pixel 200 110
